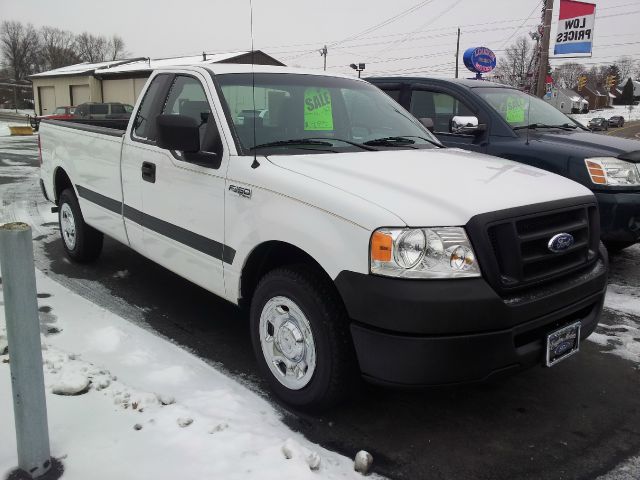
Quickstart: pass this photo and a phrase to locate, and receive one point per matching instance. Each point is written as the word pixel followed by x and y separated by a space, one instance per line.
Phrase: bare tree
pixel 597 75
pixel 19 45
pixel 92 48
pixel 58 48
pixel 626 68
pixel 516 66
pixel 566 75
pixel 117 49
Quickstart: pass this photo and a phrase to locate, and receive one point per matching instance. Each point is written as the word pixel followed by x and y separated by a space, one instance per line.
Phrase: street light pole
pixel 358 68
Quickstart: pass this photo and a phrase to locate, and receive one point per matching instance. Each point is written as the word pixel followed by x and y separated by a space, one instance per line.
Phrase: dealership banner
pixel 575 29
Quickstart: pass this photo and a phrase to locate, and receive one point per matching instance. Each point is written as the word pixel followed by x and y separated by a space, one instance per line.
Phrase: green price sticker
pixel 515 110
pixel 318 114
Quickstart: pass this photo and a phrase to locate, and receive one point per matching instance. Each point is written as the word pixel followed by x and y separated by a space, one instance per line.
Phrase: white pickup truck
pixel 362 247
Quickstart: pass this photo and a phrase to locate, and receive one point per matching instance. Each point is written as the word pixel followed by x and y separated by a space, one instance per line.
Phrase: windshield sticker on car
pixel 318 113
pixel 515 110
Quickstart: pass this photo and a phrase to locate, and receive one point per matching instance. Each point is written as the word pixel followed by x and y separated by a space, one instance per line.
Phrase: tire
pixel 616 247
pixel 297 302
pixel 82 243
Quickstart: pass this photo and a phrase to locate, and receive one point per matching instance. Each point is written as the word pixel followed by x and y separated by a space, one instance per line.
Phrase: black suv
pixel 503 121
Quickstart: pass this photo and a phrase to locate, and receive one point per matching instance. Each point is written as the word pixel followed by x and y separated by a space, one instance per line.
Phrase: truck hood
pixel 587 144
pixel 436 187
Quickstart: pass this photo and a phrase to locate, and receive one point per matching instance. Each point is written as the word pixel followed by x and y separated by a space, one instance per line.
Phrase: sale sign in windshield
pixel 575 29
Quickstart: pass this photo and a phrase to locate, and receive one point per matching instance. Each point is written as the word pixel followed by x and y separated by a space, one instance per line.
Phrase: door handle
pixel 149 172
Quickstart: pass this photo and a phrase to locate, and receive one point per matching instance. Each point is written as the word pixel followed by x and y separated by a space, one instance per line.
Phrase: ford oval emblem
pixel 560 242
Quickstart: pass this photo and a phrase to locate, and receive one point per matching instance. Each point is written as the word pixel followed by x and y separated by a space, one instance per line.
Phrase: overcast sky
pixel 422 41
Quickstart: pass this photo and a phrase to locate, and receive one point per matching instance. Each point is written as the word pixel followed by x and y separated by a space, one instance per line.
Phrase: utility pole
pixel 457 51
pixel 323 53
pixel 544 49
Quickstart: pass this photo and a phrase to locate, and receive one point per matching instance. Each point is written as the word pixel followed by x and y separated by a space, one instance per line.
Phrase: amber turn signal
pixel 381 247
pixel 596 172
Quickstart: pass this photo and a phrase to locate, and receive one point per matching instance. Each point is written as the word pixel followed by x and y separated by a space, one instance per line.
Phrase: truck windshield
pixel 521 110
pixel 297 113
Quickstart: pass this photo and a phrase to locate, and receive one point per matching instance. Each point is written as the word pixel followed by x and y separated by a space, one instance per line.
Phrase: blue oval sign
pixel 560 242
pixel 479 59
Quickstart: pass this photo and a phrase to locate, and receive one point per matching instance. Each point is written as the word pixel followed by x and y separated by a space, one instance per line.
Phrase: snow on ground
pixel 621 110
pixel 21 111
pixel 4 126
pixel 124 403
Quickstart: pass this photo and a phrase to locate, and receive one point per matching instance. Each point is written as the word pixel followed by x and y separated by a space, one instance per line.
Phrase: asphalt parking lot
pixel 578 420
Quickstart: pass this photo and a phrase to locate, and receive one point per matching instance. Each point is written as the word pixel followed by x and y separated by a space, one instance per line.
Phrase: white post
pixel 25 350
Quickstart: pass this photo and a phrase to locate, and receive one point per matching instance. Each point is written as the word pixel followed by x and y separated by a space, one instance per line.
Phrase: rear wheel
pixel 301 339
pixel 81 242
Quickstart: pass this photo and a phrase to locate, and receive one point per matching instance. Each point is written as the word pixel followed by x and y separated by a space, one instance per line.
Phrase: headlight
pixel 442 252
pixel 611 171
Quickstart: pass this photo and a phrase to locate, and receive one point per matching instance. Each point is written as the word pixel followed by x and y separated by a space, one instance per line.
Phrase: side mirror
pixel 427 122
pixel 465 125
pixel 178 132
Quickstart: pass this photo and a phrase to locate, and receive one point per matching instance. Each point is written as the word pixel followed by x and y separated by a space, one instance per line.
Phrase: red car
pixel 60 113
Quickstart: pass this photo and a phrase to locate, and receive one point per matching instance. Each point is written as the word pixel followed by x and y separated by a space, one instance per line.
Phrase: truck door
pixel 182 201
pixel 441 106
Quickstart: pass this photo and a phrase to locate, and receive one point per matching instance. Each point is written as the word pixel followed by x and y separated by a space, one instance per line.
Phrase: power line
pixel 384 23
pixel 522 24
pixel 420 28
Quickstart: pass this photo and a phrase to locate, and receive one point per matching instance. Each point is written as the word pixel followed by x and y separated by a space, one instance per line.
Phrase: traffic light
pixel 611 81
pixel 582 81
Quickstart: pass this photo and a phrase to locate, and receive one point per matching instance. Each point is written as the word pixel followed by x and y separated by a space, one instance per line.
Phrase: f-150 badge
pixel 242 191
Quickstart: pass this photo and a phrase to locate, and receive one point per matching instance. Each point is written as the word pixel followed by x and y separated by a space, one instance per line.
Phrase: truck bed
pixel 113 127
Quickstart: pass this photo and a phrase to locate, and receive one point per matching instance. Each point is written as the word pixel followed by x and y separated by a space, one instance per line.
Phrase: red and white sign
pixel 574 37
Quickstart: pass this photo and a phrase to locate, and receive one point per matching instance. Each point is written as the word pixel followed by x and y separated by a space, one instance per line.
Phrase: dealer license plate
pixel 563 343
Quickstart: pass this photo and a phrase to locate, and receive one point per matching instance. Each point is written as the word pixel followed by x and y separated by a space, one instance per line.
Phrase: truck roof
pixel 465 82
pixel 223 68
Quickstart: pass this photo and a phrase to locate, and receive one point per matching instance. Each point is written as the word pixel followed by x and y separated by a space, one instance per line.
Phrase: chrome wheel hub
pixel 68 226
pixel 287 343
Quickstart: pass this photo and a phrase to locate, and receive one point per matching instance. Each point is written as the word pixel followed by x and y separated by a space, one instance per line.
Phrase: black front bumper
pixel 437 332
pixel 619 216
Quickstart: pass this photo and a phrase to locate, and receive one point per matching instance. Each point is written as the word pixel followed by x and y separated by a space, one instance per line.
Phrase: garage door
pixel 80 94
pixel 120 90
pixel 138 84
pixel 47 101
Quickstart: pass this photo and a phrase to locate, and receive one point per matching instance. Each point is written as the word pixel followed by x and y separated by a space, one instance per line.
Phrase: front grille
pixel 513 250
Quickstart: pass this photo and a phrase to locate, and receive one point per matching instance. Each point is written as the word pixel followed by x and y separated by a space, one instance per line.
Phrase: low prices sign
pixel 575 29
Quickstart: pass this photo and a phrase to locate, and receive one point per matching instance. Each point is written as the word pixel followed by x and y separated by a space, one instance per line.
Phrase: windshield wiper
pixel 564 126
pixel 399 141
pixel 391 142
pixel 298 141
pixel 349 142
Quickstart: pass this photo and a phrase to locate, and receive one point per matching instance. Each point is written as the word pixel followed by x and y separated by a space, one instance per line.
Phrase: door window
pixel 187 97
pixel 393 93
pixel 439 107
pixel 101 109
pixel 145 121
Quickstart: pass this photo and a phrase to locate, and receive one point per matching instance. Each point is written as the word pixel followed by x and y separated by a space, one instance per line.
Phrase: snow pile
pixel 621 110
pixel 4 129
pixel 124 403
pixel 623 337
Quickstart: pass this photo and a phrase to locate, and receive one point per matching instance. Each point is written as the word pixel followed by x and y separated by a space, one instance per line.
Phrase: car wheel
pixel 301 339
pixel 82 243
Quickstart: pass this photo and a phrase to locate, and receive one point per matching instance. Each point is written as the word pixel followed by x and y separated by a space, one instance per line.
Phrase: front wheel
pixel 82 242
pixel 301 339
